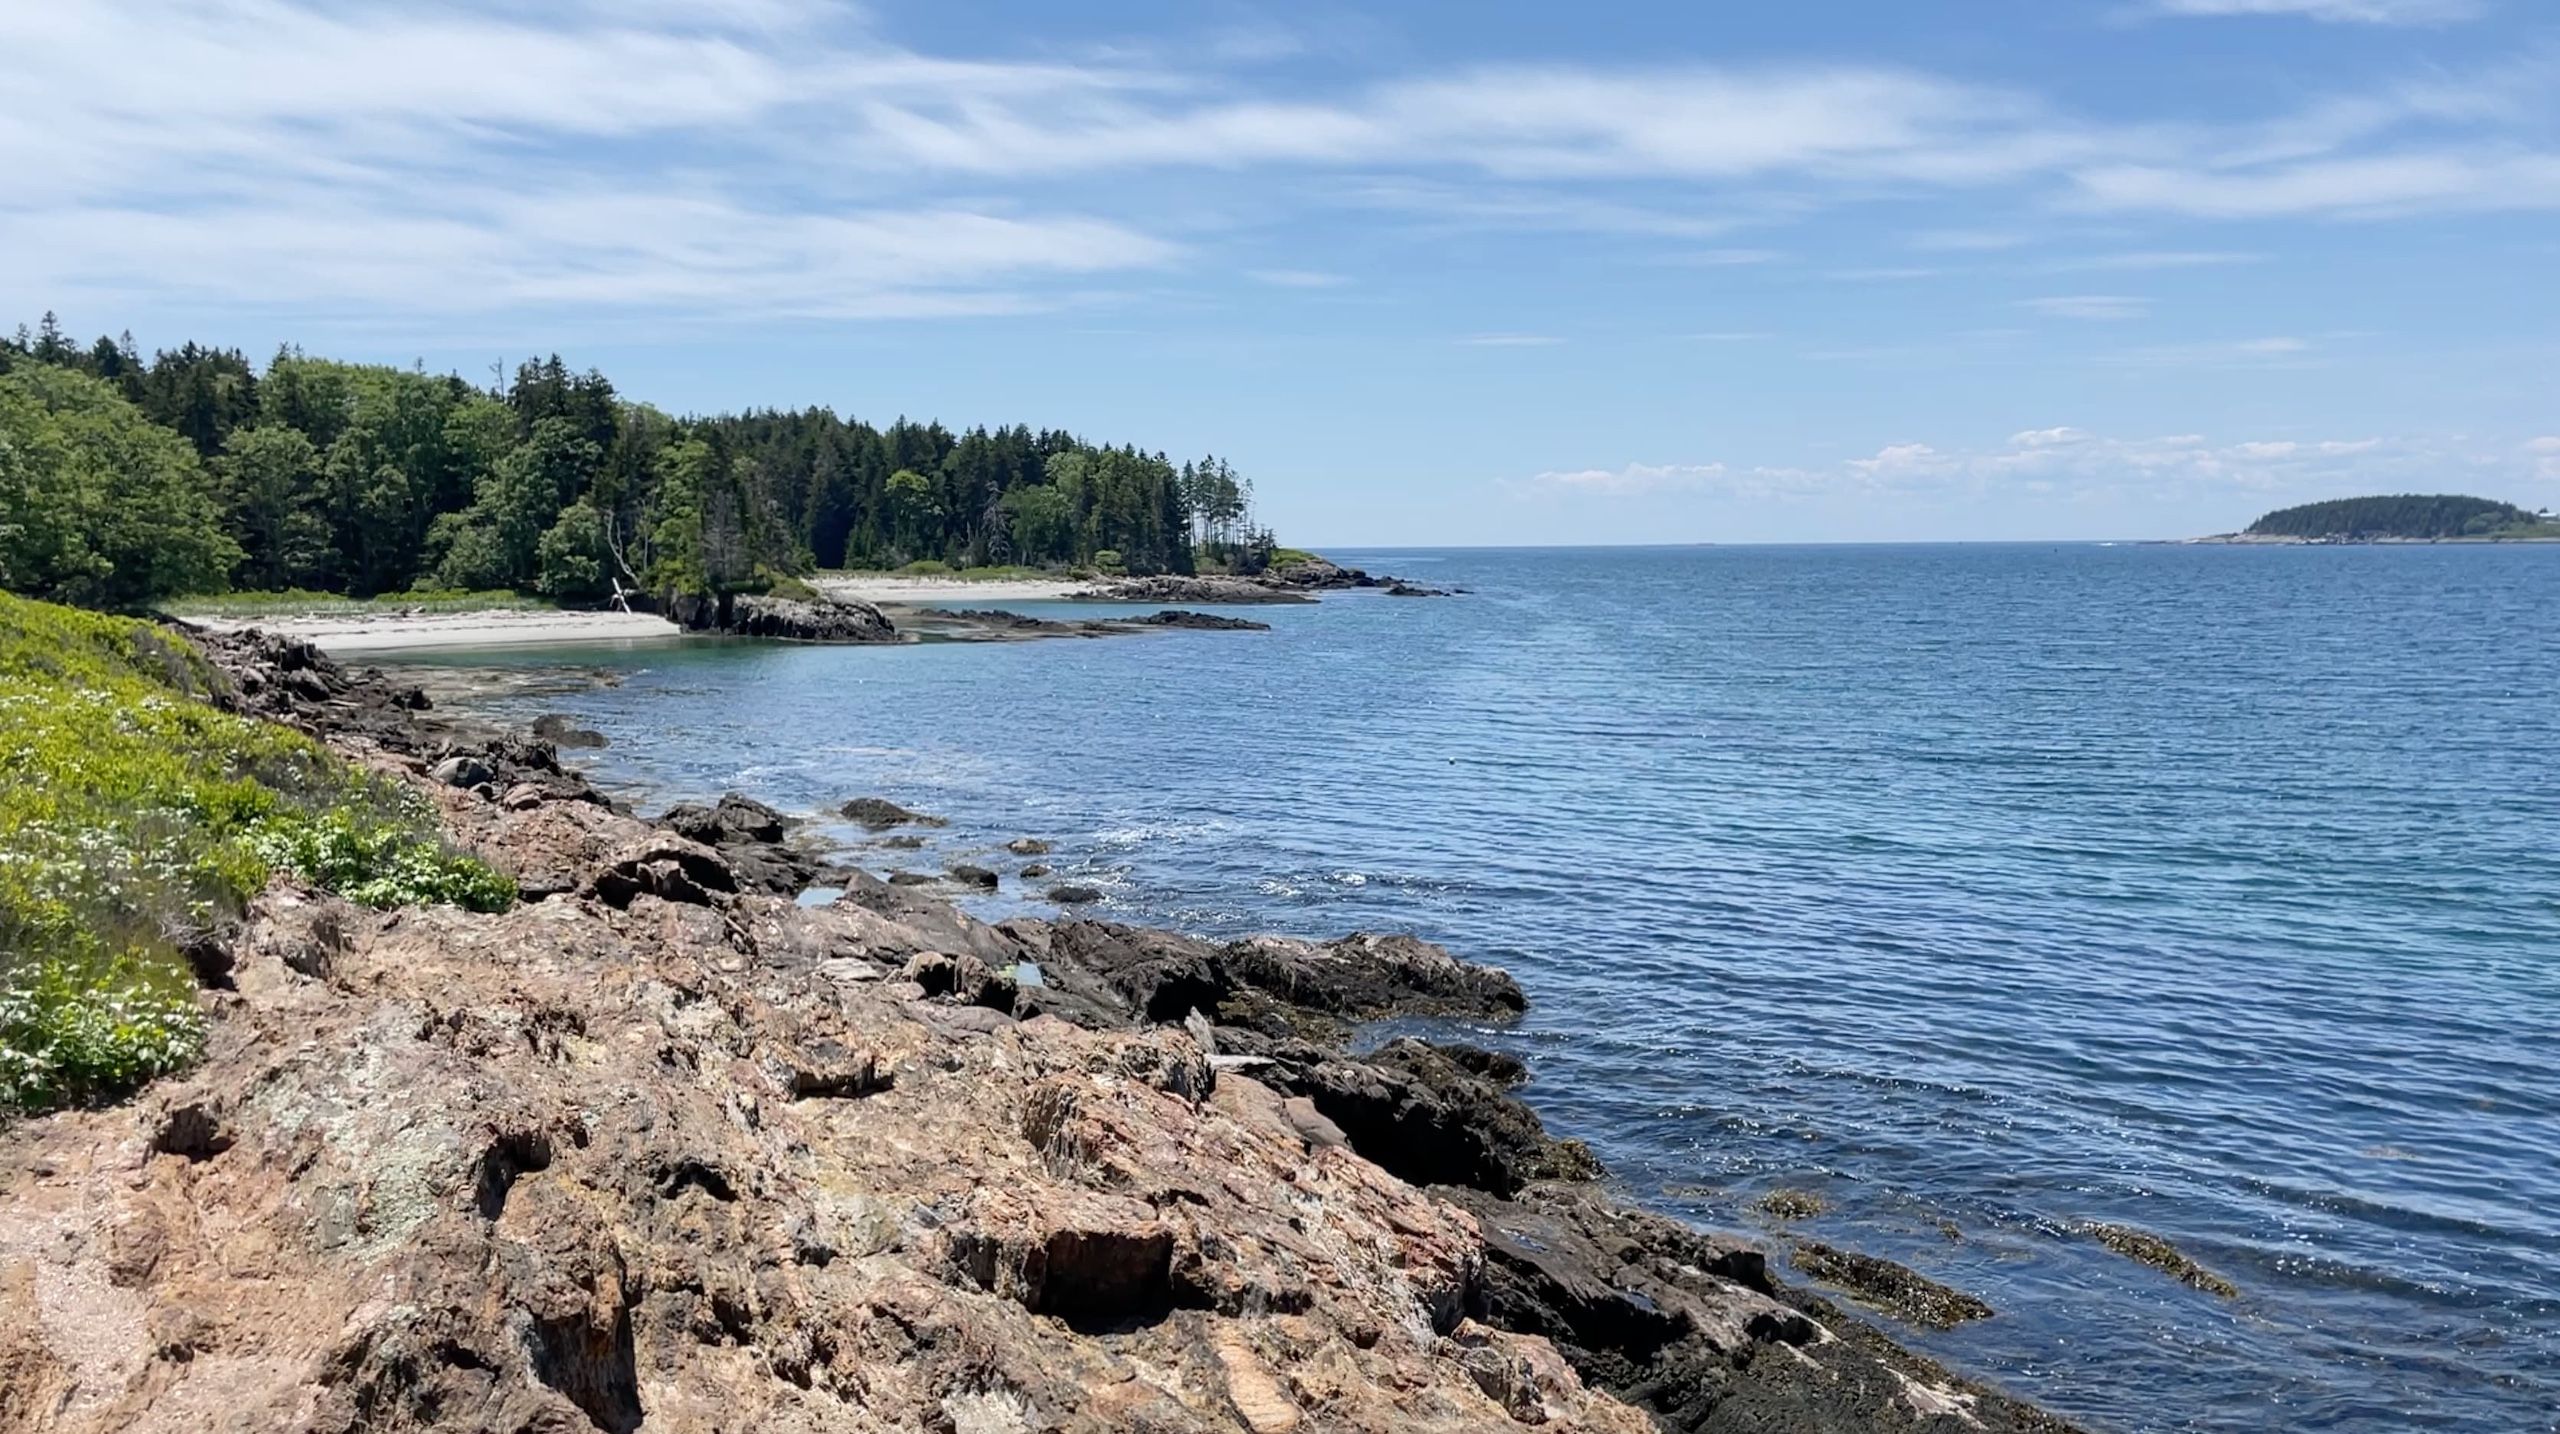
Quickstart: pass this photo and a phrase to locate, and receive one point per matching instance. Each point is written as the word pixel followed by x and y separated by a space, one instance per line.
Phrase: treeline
pixel 2402 515
pixel 124 481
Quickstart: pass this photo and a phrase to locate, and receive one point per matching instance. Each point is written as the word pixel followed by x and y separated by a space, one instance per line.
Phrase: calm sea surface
pixel 1988 889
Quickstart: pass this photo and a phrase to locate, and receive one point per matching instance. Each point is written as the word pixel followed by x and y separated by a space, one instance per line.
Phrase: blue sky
pixel 1437 272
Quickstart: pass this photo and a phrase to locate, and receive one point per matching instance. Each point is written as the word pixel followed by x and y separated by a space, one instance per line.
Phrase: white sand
pixel 397 632
pixel 946 592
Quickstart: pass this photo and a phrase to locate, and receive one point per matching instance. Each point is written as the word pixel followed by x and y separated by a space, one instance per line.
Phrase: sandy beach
pixel 401 632
pixel 892 591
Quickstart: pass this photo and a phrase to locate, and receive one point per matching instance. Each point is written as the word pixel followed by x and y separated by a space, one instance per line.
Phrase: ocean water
pixel 1989 891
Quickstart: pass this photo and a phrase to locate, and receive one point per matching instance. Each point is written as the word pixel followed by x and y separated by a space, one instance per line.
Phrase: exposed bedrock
pixel 662 1150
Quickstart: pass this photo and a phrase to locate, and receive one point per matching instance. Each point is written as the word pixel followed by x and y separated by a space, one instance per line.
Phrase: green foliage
pixel 1041 522
pixel 926 568
pixel 98 506
pixel 270 487
pixel 179 472
pixel 2405 515
pixel 1109 561
pixel 71 1033
pixel 376 863
pixel 469 554
pixel 573 555
pixel 135 817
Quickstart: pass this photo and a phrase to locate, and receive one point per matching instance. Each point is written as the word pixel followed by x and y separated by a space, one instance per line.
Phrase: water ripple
pixel 2214 891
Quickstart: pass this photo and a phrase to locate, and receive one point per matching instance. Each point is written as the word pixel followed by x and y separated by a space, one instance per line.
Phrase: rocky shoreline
pixel 663 1148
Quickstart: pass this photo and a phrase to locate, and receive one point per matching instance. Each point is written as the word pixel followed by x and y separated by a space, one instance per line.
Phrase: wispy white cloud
pixel 2090 306
pixel 768 156
pixel 2369 186
pixel 2355 12
pixel 1633 480
pixel 2273 351
pixel 2186 467
pixel 1724 258
pixel 1969 241
pixel 2148 259
pixel 1297 278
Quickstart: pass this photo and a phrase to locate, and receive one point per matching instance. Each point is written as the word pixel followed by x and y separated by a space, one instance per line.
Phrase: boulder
pixel 973 876
pixel 1027 846
pixel 750 835
pixel 825 619
pixel 732 819
pixel 463 770
pixel 667 866
pixel 1429 1114
pixel 880 814
pixel 561 731
pixel 1069 894
pixel 1314 572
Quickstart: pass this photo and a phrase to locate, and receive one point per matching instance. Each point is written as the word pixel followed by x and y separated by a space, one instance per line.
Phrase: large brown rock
pixel 582 1167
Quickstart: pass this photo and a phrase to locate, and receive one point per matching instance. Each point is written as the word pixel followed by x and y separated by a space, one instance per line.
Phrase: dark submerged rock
pixel 1692 1328
pixel 1896 1289
pixel 1068 894
pixel 1787 1206
pixel 1203 621
pixel 1169 588
pixel 2143 1247
pixel 976 876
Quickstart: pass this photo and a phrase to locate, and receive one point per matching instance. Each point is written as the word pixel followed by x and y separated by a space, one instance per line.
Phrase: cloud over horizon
pixel 769 155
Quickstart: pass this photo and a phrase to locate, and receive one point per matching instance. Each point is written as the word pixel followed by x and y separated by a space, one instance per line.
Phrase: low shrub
pixel 378 863
pixel 136 818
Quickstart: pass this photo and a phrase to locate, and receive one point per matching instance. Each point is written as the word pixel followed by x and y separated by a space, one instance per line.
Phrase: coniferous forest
pixel 2412 516
pixel 125 481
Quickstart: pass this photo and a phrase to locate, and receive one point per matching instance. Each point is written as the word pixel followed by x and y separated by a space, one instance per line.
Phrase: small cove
pixel 2008 889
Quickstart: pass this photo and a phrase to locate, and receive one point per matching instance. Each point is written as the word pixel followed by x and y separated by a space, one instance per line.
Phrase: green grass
pixel 298 603
pixel 1283 557
pixel 135 818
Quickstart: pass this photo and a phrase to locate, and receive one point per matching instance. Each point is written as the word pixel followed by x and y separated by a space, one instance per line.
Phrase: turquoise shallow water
pixel 2215 891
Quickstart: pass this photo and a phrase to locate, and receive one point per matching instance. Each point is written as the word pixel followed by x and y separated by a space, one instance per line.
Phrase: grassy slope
pixel 311 604
pixel 135 818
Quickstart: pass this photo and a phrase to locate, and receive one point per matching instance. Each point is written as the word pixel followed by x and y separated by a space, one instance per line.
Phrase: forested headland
pixel 2408 517
pixel 125 481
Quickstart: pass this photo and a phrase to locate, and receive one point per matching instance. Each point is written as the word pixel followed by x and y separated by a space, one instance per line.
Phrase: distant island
pixel 2400 518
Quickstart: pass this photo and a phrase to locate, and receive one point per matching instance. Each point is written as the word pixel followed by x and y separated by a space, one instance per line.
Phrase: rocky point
pixel 661 1149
